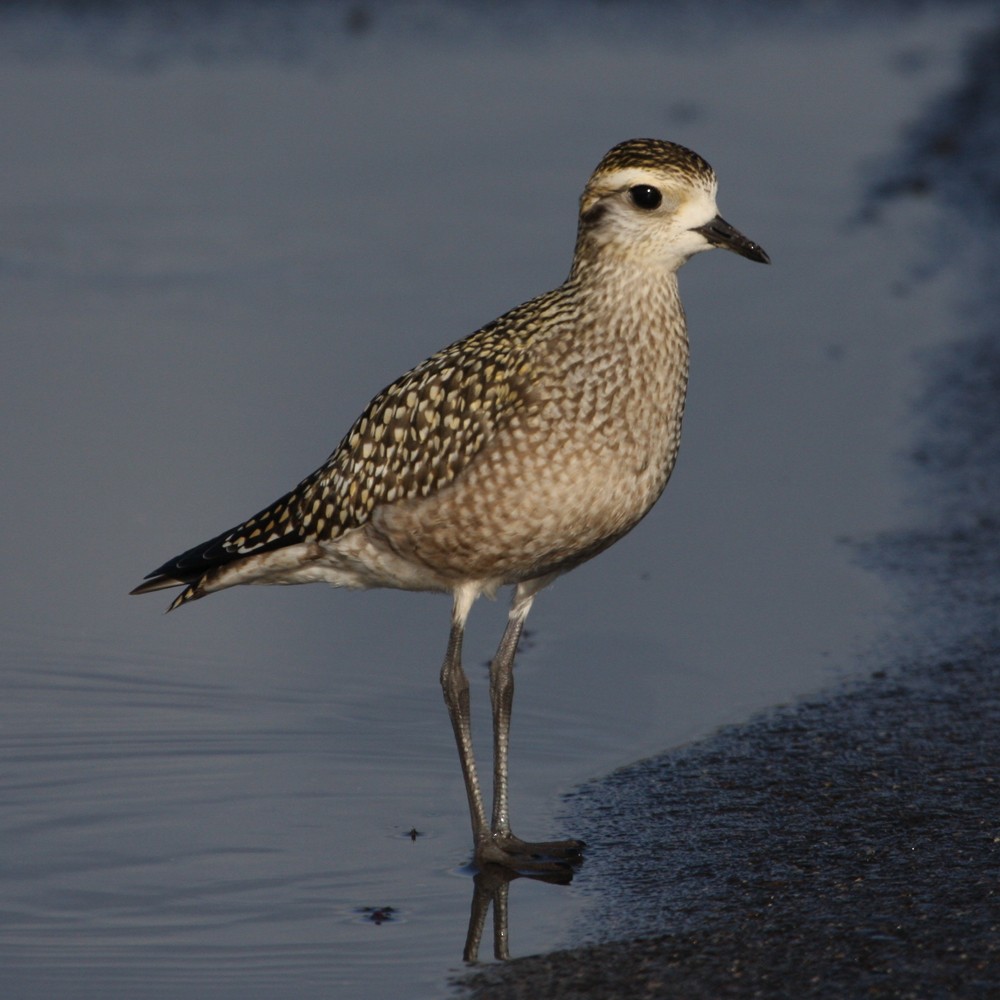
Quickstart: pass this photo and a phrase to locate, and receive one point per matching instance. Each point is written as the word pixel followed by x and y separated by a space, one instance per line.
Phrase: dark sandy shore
pixel 848 846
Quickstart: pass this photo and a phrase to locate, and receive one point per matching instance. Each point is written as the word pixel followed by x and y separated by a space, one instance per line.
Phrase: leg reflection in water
pixel 491 886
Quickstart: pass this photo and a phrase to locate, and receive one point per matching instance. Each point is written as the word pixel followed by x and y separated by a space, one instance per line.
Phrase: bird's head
pixel 652 203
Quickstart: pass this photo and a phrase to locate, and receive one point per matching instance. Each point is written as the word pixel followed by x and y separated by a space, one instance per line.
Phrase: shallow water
pixel 220 238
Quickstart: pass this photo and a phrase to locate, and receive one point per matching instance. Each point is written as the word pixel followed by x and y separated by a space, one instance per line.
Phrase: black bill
pixel 719 233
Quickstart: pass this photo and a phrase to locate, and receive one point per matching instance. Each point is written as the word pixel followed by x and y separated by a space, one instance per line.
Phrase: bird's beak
pixel 719 233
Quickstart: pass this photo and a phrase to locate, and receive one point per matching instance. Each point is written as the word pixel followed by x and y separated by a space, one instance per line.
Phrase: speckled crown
pixel 654 154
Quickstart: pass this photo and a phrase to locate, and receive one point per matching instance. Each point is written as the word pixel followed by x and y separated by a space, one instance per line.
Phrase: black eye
pixel 646 196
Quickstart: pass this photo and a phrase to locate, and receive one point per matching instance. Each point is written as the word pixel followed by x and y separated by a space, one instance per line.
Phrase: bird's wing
pixel 412 439
pixel 418 434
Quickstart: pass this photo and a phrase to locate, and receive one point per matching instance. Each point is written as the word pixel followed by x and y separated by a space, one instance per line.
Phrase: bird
pixel 508 457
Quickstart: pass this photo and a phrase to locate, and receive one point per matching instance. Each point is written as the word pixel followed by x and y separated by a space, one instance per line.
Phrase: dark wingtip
pixel 156 581
pixel 159 581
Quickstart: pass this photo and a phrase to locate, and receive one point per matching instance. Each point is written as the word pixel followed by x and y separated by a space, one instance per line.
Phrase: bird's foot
pixel 529 856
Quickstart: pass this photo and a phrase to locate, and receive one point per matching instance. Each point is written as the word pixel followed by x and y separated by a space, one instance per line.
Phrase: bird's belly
pixel 515 515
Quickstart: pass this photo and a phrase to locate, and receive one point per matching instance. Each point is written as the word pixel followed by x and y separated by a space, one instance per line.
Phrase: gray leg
pixel 503 847
pixel 502 700
pixel 455 685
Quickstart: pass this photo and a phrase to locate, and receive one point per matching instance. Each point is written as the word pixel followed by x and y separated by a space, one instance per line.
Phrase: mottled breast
pixel 571 469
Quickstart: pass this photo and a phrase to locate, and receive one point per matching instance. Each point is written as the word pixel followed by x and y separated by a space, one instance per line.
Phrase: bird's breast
pixel 570 472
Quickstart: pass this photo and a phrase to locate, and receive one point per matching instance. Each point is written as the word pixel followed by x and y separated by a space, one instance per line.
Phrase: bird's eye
pixel 646 196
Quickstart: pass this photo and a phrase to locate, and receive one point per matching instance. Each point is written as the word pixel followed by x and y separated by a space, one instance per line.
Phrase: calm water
pixel 220 238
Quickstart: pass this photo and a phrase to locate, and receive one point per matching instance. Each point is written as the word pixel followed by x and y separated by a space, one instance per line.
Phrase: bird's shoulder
pixel 419 433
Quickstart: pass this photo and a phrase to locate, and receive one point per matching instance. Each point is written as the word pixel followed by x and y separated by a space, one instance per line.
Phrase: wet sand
pixel 846 847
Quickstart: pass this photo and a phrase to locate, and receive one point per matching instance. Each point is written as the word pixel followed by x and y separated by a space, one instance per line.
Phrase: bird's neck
pixel 630 302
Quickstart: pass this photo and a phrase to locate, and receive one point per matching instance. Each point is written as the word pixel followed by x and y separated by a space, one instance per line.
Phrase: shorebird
pixel 510 456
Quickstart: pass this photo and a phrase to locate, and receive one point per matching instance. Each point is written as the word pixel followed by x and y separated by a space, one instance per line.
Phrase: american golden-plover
pixel 511 456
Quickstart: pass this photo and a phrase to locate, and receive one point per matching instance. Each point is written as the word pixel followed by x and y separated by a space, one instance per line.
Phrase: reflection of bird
pixel 512 455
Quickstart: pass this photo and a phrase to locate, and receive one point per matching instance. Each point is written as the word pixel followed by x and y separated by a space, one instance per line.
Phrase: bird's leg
pixel 455 685
pixel 502 700
pixel 503 847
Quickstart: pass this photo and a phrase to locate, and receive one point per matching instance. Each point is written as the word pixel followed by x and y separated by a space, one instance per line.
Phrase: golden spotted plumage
pixel 518 451
pixel 510 456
